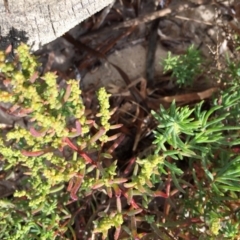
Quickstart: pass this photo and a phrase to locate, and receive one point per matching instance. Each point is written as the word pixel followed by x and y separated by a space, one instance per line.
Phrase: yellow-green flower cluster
pixel 28 61
pixel 88 183
pixel 105 115
pixel 2 57
pixel 78 108
pixel 57 160
pixel 148 166
pixel 6 97
pixel 110 172
pixel 36 198
pixel 54 176
pixel 215 226
pixel 75 99
pixel 103 99
pixel 18 80
pixel 113 220
pixel 19 133
pixel 75 167
pixel 11 155
pixel 6 67
pixel 52 92
pixel 30 93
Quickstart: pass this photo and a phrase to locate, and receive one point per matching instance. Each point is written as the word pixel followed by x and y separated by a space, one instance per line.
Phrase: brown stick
pixel 144 19
pixel 129 23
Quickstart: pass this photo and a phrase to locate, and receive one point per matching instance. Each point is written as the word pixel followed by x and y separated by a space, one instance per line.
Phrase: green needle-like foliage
pixel 205 140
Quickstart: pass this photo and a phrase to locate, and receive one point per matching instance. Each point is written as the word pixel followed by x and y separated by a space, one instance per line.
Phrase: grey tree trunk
pixel 38 22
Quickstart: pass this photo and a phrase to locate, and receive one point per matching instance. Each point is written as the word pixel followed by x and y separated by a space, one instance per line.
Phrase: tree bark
pixel 38 22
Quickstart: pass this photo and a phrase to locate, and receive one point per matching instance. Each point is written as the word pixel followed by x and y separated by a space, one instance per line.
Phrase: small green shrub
pixel 184 67
pixel 45 150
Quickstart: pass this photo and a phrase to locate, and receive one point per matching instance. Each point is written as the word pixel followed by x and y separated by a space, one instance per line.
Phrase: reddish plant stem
pixel 116 143
pixel 75 188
